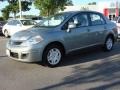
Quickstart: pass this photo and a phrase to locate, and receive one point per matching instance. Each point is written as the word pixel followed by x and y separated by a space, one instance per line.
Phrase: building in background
pixel 110 9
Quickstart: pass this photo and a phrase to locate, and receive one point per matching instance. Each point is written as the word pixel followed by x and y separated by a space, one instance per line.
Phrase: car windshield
pixel 28 22
pixel 53 21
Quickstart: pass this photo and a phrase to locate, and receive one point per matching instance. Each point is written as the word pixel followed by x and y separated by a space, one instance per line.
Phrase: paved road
pixel 88 70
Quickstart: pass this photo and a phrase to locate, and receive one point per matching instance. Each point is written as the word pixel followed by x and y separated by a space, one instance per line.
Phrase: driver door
pixel 78 37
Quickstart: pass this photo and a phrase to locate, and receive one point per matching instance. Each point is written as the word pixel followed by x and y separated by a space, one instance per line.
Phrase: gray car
pixel 61 34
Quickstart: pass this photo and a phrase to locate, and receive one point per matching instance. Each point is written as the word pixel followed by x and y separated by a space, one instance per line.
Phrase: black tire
pixel 6 34
pixel 108 45
pixel 57 56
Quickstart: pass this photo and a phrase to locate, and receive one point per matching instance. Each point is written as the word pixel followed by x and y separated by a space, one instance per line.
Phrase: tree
pixel 13 6
pixel 92 3
pixel 51 7
pixel 5 13
pixel 25 5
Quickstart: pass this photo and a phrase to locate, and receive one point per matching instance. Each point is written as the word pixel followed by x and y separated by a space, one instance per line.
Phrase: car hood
pixel 26 34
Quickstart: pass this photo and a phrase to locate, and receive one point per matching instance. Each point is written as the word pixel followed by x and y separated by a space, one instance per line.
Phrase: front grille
pixel 14 55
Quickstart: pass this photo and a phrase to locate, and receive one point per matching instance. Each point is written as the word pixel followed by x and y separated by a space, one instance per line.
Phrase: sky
pixel 36 12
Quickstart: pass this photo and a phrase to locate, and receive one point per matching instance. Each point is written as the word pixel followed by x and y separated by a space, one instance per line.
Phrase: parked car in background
pixel 2 23
pixel 13 26
pixel 37 19
pixel 117 21
pixel 61 34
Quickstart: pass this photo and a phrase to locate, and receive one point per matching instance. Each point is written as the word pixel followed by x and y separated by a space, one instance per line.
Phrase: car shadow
pixel 90 75
pixel 87 55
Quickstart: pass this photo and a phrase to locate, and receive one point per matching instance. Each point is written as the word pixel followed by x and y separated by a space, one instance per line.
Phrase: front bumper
pixel 25 54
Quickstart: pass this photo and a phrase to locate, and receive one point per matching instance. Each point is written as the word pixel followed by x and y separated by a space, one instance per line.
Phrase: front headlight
pixel 33 40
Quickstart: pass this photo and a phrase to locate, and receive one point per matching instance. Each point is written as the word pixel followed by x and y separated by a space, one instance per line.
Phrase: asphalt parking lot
pixel 89 70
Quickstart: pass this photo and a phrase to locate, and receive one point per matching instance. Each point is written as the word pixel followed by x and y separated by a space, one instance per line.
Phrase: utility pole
pixel 20 9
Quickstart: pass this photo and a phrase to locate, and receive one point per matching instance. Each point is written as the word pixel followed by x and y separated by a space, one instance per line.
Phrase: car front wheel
pixel 53 55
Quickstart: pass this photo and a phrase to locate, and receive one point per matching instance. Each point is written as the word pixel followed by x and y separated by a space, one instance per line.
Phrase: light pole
pixel 20 9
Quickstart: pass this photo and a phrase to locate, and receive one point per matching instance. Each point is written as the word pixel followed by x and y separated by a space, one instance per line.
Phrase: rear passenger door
pixel 97 28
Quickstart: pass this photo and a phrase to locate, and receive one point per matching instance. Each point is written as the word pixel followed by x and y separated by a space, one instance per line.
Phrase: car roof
pixel 73 12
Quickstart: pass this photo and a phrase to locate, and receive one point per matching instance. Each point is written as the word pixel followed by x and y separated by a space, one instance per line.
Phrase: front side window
pixel 79 20
pixel 96 19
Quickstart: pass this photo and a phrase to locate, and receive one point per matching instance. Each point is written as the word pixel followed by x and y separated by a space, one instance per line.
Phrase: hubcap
pixel 54 56
pixel 109 43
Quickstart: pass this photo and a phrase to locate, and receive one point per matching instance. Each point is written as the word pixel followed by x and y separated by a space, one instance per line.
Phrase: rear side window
pixel 96 19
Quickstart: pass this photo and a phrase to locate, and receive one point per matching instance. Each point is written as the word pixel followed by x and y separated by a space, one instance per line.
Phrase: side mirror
pixel 71 26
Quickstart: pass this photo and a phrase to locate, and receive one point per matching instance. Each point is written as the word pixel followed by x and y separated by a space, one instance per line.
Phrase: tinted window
pixel 96 19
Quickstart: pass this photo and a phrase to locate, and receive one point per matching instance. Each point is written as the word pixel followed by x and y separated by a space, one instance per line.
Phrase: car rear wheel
pixel 52 56
pixel 6 34
pixel 108 44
